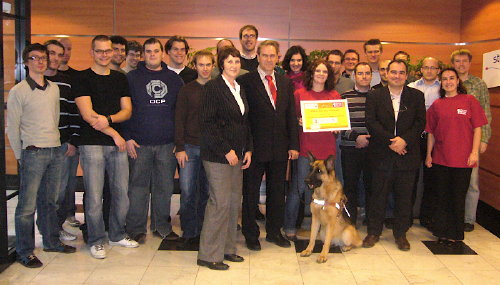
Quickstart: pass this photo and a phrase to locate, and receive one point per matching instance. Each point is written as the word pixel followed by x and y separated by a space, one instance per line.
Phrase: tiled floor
pixel 382 264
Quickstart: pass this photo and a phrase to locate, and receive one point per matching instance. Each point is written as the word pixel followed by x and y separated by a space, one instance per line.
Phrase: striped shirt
pixel 69 120
pixel 356 101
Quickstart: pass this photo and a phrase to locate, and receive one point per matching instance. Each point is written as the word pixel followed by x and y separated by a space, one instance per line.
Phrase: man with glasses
pixel 429 84
pixel 373 51
pixel 354 142
pixel 395 117
pixel 32 128
pixel 134 55
pixel 342 84
pixel 248 39
pixel 351 58
pixel 103 99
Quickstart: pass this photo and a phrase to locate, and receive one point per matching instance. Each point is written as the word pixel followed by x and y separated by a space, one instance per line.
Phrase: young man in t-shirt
pixel 32 120
pixel 103 99
pixel 150 143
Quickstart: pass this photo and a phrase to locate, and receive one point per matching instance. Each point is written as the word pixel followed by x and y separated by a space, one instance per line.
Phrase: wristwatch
pixel 109 119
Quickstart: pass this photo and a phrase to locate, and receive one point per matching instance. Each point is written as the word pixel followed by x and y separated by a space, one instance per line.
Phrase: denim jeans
pixel 37 167
pixel 66 199
pixel 96 159
pixel 67 207
pixel 299 188
pixel 472 197
pixel 194 193
pixel 154 169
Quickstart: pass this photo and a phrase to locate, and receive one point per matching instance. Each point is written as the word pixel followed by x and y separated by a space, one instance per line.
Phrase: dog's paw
pixel 346 248
pixel 322 258
pixel 306 253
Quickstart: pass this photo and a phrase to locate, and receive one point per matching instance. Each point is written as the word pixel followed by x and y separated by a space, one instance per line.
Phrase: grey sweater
pixel 33 116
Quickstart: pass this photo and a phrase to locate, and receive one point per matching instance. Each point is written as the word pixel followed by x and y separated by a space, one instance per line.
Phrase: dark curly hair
pixel 293 50
pixel 309 75
pixel 460 88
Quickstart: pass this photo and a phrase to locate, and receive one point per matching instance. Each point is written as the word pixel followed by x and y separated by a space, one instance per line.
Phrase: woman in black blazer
pixel 226 149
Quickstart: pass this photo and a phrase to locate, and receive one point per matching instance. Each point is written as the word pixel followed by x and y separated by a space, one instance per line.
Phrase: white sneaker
pixel 98 251
pixel 64 235
pixel 126 242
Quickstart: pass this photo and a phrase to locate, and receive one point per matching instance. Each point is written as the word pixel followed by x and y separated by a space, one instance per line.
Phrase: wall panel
pixel 389 20
pixel 480 20
pixel 89 17
pixel 199 18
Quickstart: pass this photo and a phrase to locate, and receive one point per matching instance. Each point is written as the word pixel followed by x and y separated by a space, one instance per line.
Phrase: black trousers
pixel 428 203
pixel 275 197
pixel 451 185
pixel 354 162
pixel 400 183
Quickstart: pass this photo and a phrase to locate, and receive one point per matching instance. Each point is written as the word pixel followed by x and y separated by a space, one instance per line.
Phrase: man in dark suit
pixel 275 139
pixel 395 117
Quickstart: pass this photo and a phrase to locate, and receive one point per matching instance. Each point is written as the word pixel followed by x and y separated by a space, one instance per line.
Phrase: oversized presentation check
pixel 325 115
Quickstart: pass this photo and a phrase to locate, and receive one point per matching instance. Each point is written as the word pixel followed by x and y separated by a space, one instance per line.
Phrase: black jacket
pixel 221 124
pixel 274 131
pixel 380 122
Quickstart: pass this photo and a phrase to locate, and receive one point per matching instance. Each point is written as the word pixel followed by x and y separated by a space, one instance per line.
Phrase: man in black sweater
pixel 192 177
pixel 177 48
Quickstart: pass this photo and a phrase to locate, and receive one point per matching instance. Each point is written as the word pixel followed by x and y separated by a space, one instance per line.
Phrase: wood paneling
pixel 480 20
pixel 217 18
pixel 89 17
pixel 489 192
pixel 389 20
pixel 489 160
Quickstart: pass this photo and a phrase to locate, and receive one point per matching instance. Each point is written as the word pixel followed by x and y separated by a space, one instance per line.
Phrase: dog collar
pixel 319 202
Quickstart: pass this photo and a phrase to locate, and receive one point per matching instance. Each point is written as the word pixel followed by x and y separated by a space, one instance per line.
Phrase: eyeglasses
pixel 252 36
pixel 350 59
pixel 101 52
pixel 433 68
pixel 334 62
pixel 38 58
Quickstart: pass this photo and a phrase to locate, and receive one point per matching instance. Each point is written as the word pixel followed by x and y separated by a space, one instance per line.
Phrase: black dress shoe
pixel 370 241
pixel 403 243
pixel 253 245
pixel 278 240
pixel 213 265
pixel 140 238
pixel 172 236
pixel 468 227
pixel 30 261
pixel 259 216
pixel 233 258
pixel 63 248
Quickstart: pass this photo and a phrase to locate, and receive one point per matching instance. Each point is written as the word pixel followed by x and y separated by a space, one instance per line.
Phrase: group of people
pixel 227 124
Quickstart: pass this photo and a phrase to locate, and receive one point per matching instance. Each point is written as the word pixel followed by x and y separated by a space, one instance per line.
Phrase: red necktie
pixel 272 88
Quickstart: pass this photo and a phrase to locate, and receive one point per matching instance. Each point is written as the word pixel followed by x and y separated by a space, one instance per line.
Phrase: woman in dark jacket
pixel 226 149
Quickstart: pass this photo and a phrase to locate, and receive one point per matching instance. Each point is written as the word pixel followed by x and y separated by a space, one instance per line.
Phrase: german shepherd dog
pixel 328 210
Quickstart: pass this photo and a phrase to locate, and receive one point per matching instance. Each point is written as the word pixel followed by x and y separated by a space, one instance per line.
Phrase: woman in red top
pixel 295 64
pixel 319 84
pixel 454 126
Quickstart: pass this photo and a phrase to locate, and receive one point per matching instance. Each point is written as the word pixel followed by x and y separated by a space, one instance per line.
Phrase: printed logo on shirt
pixel 157 89
pixel 461 112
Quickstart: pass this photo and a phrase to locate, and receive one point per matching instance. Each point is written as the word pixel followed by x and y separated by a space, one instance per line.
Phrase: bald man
pixel 64 67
